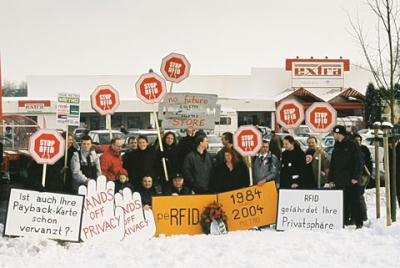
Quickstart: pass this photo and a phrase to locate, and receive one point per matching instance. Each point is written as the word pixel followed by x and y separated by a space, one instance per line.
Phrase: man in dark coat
pixel 177 186
pixel 345 173
pixel 198 165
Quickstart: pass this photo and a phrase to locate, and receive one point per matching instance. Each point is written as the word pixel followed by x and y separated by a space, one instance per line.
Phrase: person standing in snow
pixel 345 174
pixel 265 165
pixel 293 167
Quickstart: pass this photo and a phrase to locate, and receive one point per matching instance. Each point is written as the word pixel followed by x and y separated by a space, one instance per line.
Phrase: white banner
pixel 310 210
pixel 181 110
pixel 44 214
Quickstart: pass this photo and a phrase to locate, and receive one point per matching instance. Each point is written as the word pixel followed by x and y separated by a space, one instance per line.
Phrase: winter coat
pixel 111 165
pixel 54 177
pixel 82 170
pixel 293 170
pixel 346 163
pixel 172 161
pixel 265 168
pixel 146 195
pixel 275 146
pixel 366 155
pixel 227 180
pixel 185 146
pixel 197 171
pixel 170 189
pixel 312 165
pixel 68 176
pixel 140 163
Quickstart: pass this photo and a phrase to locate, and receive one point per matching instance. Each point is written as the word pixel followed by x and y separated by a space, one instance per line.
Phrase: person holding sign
pixel 293 167
pixel 345 173
pixel 265 166
pixel 170 154
pixel 198 166
pixel 230 175
pixel 85 164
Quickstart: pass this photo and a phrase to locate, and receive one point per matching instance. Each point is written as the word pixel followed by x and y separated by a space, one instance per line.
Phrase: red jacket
pixel 111 165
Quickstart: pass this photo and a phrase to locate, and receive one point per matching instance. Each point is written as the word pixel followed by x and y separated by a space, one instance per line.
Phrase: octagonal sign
pixel 247 140
pixel 46 146
pixel 175 67
pixel 290 114
pixel 105 99
pixel 321 117
pixel 150 88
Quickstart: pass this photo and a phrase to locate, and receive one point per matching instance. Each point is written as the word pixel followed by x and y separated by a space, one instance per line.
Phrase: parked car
pixel 101 138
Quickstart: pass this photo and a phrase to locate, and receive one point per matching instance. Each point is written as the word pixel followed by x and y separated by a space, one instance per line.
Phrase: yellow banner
pixel 250 207
pixel 180 214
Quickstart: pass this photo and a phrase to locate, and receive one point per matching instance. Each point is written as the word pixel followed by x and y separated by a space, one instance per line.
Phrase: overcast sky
pixel 122 37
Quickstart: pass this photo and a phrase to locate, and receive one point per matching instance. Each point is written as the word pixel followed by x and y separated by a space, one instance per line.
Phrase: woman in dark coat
pixel 229 175
pixel 171 158
pixel 140 163
pixel 293 167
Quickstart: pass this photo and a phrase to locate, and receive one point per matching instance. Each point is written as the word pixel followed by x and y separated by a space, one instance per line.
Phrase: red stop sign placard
pixel 321 117
pixel 105 99
pixel 150 88
pixel 175 67
pixel 247 140
pixel 290 114
pixel 46 146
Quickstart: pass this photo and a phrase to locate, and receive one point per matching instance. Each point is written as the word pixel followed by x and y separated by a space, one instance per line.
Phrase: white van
pixel 228 121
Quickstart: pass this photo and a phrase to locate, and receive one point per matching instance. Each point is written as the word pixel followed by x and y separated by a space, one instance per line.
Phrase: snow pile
pixel 373 246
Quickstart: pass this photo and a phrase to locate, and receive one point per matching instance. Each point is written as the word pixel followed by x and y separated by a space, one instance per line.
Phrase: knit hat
pixel 177 175
pixel 340 129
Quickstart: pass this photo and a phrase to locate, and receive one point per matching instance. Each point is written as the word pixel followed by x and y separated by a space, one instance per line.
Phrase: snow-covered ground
pixel 373 246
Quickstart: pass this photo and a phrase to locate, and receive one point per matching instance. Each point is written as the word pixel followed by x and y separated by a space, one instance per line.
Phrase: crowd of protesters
pixel 192 170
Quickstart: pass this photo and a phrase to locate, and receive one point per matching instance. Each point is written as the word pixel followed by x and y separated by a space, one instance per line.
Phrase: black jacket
pixel 140 163
pixel 366 155
pixel 226 180
pixel 293 170
pixel 185 146
pixel 172 161
pixel 346 163
pixel 170 189
pixel 197 170
pixel 146 195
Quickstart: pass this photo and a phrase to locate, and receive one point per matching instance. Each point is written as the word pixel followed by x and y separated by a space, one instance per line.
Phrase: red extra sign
pixel 46 146
pixel 320 117
pixel 247 140
pixel 150 88
pixel 290 114
pixel 175 67
pixel 105 99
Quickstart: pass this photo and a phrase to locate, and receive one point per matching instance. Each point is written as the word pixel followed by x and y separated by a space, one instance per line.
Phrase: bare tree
pixel 383 57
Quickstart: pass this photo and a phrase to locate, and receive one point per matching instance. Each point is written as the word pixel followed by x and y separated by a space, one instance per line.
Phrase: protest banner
pixel 44 215
pixel 182 110
pixel 250 207
pixel 310 210
pixel 180 214
pixel 139 224
pixel 101 220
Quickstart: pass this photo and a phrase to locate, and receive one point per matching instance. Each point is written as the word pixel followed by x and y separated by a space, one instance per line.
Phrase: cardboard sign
pixel 139 224
pixel 44 215
pixel 250 207
pixel 180 214
pixel 101 219
pixel 68 111
pixel 182 110
pixel 310 210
